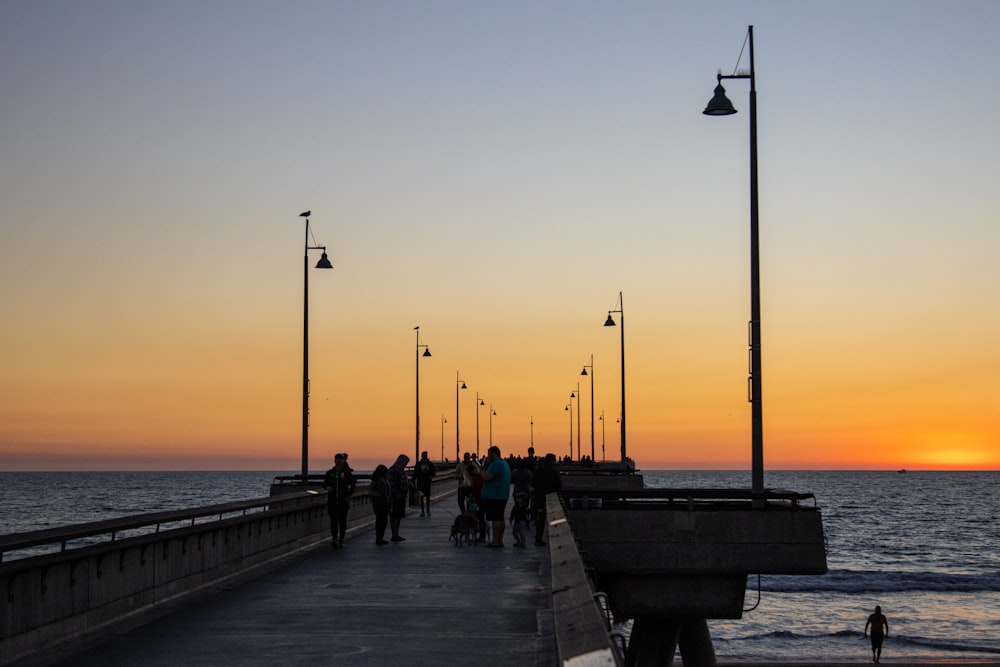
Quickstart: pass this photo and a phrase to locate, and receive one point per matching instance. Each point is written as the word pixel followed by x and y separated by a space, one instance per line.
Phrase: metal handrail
pixel 690 495
pixel 64 534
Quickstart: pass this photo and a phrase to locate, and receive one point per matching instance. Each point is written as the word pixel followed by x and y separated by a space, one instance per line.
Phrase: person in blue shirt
pixel 495 493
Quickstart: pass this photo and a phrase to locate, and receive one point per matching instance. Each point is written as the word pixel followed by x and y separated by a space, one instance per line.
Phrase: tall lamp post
pixel 570 408
pixel 427 353
pixel 479 402
pixel 492 412
pixel 584 372
pixel 610 322
pixel 720 105
pixel 459 384
pixel 579 409
pixel 602 434
pixel 619 421
pixel 324 263
pixel 443 422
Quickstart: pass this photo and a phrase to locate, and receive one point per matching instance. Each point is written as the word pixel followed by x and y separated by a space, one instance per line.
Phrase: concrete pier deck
pixel 418 602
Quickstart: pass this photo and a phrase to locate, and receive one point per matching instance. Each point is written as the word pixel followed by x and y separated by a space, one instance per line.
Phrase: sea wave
pixel 964 646
pixel 776 639
pixel 786 635
pixel 776 634
pixel 850 581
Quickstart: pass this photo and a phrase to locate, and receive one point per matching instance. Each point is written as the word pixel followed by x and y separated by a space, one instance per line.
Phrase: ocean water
pixel 923 545
pixel 37 500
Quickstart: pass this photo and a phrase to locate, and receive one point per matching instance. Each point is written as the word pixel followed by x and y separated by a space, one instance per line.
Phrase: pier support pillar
pixel 652 642
pixel 655 640
pixel 696 643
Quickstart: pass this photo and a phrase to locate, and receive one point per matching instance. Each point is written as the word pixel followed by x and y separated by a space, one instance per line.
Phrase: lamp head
pixel 463 385
pixel 427 351
pixel 324 262
pixel 719 105
pixel 610 322
pixel 584 371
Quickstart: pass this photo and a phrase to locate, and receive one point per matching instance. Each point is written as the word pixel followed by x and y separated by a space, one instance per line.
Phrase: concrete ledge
pixel 724 541
pixel 581 630
pixel 668 562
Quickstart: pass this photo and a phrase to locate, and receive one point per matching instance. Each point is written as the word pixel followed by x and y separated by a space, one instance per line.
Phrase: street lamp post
pixel 324 263
pixel 602 434
pixel 570 408
pixel 479 402
pixel 579 409
pixel 443 422
pixel 427 353
pixel 459 384
pixel 492 412
pixel 610 322
pixel 584 372
pixel 720 105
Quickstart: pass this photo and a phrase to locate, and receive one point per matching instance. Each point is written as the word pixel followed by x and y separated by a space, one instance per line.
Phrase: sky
pixel 496 173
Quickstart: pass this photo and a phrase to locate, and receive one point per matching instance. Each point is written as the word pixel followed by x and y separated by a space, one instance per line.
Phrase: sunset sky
pixel 496 173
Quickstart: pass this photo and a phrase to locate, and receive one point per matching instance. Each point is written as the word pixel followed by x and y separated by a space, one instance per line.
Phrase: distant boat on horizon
pixel 901 470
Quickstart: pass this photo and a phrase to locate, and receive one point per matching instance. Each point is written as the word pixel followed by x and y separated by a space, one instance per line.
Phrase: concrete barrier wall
pixel 45 600
pixel 581 629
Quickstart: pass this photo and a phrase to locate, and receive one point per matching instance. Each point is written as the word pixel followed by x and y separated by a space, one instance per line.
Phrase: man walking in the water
pixel 880 630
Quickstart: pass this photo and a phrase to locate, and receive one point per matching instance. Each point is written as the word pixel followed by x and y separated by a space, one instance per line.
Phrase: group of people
pixel 484 488
pixel 389 490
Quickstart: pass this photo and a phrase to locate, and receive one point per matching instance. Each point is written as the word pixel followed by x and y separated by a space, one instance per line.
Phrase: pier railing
pixel 78 579
pixel 582 630
pixel 63 538
pixel 688 498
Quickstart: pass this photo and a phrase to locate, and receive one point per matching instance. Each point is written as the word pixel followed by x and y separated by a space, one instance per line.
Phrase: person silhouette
pixel 381 496
pixel 880 630
pixel 339 484
pixel 495 493
pixel 399 485
pixel 423 473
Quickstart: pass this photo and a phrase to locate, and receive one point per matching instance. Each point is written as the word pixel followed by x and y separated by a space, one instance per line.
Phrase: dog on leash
pixel 465 527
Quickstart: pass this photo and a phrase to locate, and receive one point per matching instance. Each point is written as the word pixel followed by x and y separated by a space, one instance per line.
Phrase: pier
pixel 418 602
pixel 424 601
pixel 256 582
